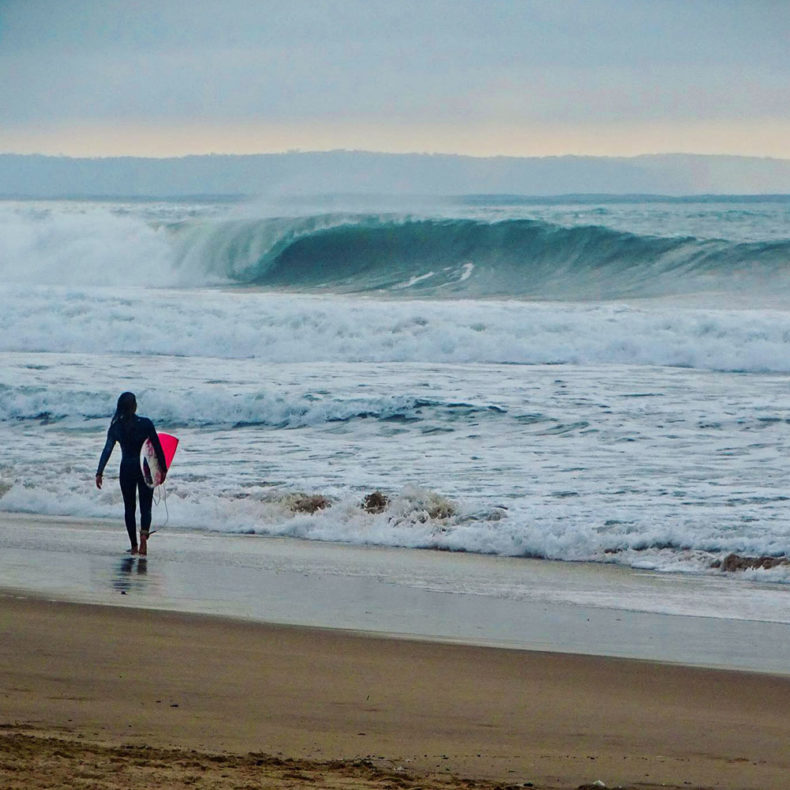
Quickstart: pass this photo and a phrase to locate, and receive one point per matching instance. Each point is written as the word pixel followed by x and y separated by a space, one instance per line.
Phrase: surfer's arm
pixel 105 456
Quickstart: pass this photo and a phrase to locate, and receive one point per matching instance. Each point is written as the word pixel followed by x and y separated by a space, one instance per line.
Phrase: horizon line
pixel 449 154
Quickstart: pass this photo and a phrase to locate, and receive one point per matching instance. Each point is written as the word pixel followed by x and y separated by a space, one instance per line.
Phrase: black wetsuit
pixel 131 434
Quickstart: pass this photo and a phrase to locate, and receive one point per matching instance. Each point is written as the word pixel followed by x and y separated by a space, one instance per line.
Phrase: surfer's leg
pixel 146 500
pixel 128 488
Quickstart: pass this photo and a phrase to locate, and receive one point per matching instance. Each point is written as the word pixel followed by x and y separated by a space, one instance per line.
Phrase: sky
pixel 479 77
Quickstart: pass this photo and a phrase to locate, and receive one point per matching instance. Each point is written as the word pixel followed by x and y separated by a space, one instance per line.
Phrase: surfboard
pixel 150 463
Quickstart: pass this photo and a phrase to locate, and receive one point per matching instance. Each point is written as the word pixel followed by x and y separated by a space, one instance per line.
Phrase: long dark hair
pixel 127 406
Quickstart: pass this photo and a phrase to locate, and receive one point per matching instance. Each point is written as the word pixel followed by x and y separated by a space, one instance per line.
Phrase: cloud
pixel 489 64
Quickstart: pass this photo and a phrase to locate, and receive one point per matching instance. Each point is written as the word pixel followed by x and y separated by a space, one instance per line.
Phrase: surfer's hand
pixel 98 481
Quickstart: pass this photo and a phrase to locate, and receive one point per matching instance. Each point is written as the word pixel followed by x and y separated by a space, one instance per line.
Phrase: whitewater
pixel 599 380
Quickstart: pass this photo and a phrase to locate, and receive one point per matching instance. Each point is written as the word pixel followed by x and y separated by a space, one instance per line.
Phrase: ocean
pixel 597 380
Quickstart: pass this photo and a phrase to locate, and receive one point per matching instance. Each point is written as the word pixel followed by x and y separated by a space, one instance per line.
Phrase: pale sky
pixel 480 77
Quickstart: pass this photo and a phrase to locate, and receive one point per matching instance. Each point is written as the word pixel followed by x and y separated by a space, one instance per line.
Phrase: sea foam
pixel 303 328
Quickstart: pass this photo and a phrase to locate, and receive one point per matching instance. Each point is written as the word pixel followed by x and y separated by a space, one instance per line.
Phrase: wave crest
pixel 398 255
pixel 473 258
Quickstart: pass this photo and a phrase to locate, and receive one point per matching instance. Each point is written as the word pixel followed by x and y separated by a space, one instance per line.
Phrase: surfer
pixel 131 431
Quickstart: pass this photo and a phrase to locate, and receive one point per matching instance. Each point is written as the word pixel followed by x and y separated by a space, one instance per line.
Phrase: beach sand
pixel 100 696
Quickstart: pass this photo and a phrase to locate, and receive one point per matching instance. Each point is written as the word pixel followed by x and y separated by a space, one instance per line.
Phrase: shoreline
pixel 405 593
pixel 125 678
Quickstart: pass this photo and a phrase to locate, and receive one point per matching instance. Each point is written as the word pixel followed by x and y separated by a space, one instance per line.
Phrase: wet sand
pixel 118 686
pixel 563 607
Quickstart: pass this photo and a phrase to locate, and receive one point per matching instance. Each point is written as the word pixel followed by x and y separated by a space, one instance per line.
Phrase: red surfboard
pixel 150 463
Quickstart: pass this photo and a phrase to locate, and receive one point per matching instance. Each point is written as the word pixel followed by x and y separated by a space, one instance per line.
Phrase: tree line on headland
pixel 298 173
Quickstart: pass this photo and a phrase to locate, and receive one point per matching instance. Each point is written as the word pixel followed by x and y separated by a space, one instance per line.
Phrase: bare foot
pixel 143 551
pixel 133 550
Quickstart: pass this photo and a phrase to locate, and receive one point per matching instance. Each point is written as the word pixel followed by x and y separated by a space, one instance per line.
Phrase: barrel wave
pixel 439 255
pixel 470 258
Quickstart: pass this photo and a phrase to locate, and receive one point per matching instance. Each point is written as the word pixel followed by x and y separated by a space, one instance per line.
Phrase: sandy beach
pixel 135 697
pixel 246 662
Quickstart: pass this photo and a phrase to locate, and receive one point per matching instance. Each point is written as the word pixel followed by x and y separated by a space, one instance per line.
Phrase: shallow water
pixel 525 604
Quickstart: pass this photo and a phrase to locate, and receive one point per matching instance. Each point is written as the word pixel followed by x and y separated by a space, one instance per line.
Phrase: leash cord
pixel 160 495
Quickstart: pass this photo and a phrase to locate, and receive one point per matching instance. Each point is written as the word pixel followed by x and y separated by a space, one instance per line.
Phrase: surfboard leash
pixel 160 497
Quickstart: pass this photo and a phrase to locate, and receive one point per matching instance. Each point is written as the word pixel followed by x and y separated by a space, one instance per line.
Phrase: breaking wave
pixel 473 258
pixel 397 255
pixel 209 406
pixel 278 328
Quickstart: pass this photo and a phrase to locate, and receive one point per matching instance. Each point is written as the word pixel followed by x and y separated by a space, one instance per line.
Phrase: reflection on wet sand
pixel 130 575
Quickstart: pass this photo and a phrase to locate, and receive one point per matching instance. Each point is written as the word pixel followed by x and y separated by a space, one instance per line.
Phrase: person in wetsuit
pixel 131 431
